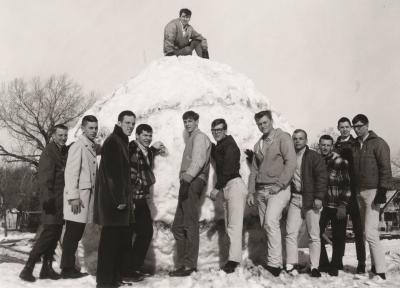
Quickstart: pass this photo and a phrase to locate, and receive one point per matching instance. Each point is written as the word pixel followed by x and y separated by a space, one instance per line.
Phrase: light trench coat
pixel 80 179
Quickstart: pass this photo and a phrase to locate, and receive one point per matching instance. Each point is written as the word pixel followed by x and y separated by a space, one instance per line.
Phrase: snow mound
pixel 159 96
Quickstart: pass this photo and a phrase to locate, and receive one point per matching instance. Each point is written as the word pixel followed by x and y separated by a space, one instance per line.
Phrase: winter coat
pixel 51 182
pixel 196 156
pixel 142 176
pixel 338 182
pixel 227 160
pixel 275 162
pixel 371 166
pixel 80 179
pixel 113 182
pixel 314 178
pixel 174 38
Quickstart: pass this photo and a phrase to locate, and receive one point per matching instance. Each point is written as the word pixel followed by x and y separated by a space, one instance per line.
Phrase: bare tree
pixel 30 110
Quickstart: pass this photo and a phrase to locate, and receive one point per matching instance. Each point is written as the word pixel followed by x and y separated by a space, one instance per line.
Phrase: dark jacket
pixel 345 148
pixel 113 182
pixel 314 178
pixel 227 160
pixel 371 164
pixel 51 182
pixel 142 176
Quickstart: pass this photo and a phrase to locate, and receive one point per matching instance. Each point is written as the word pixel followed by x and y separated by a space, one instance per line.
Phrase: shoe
pixel 47 271
pixel 135 276
pixel 230 267
pixel 292 269
pixel 315 273
pixel 182 272
pixel 72 273
pixel 382 275
pixel 333 271
pixel 273 270
pixel 360 268
pixel 26 273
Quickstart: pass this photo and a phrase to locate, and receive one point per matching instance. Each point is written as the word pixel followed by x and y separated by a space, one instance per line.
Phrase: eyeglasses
pixel 358 126
pixel 218 130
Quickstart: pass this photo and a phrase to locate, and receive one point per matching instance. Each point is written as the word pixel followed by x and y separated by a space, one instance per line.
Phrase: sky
pixel 316 61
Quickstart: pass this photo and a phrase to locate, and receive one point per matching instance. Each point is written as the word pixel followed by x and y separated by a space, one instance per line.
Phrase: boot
pixel 47 271
pixel 26 273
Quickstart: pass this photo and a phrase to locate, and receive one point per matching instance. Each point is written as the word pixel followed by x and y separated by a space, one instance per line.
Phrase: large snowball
pixel 159 96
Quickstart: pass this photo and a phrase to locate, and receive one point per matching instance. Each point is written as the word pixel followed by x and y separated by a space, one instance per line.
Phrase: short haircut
pixel 263 113
pixel 342 120
pixel 89 118
pixel 143 127
pixel 186 11
pixel 125 113
pixel 219 121
pixel 59 126
pixel 360 118
pixel 190 115
pixel 300 131
pixel 326 137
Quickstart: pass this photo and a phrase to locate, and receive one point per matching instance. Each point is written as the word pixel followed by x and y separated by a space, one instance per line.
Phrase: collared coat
pixel 371 168
pixel 113 183
pixel 314 178
pixel 275 162
pixel 51 182
pixel 80 179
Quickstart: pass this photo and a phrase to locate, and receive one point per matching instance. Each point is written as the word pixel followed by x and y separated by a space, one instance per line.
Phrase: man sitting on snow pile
pixel 181 39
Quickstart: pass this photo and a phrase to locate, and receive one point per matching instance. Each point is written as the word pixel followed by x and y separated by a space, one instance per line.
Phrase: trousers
pixel 338 237
pixel 293 224
pixel 370 219
pixel 72 236
pixel 143 230
pixel 46 244
pixel 270 209
pixel 235 193
pixel 185 227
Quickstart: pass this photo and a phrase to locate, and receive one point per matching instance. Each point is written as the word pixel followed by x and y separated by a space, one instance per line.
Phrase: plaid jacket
pixel 142 176
pixel 338 182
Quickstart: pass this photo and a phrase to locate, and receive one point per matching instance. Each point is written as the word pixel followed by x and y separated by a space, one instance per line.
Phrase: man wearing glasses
pixel 371 176
pixel 227 160
pixel 181 39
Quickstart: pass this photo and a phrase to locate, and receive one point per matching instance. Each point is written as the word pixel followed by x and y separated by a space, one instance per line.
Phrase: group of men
pixel 76 192
pixel 350 176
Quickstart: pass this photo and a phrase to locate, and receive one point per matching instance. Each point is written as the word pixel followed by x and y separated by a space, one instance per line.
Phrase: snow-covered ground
pixel 246 276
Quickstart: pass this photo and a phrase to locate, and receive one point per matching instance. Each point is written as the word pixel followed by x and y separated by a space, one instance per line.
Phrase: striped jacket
pixel 142 176
pixel 338 182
